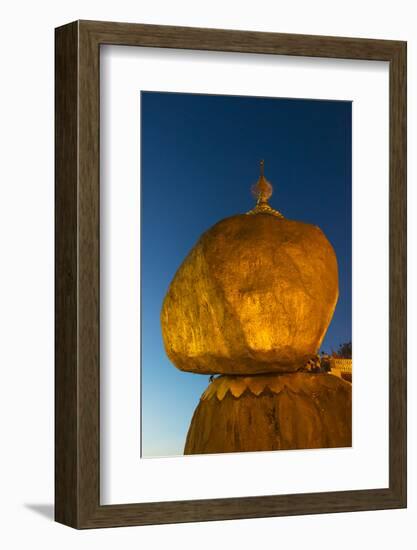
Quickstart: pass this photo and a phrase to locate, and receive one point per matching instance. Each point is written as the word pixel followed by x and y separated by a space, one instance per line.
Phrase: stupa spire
pixel 262 191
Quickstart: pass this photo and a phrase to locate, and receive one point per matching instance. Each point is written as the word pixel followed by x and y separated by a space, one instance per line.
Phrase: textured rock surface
pixel 256 294
pixel 272 412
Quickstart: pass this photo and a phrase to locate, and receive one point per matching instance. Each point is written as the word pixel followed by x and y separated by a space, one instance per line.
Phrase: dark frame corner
pixel 77 47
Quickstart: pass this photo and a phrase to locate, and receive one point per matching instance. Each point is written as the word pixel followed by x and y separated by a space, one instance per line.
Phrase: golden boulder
pixel 256 294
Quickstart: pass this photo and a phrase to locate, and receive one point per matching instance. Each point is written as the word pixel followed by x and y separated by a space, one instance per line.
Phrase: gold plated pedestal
pixel 272 412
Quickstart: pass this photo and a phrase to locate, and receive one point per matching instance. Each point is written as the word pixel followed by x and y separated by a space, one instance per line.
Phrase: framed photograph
pixel 230 274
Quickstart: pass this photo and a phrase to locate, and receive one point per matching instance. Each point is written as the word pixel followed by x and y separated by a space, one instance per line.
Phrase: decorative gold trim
pixel 258 384
pixel 264 208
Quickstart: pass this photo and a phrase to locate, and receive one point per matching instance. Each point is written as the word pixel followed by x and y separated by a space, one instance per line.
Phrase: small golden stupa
pixel 252 302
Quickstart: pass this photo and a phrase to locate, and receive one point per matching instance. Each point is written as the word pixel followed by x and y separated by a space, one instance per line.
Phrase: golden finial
pixel 262 191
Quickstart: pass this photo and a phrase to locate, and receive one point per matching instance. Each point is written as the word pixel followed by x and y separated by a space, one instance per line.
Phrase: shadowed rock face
pixel 255 294
pixel 274 412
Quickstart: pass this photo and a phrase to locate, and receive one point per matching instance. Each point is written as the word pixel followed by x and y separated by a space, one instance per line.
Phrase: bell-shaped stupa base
pixel 272 412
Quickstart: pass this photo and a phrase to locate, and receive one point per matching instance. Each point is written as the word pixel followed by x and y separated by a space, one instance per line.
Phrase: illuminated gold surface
pixel 255 294
pixel 273 412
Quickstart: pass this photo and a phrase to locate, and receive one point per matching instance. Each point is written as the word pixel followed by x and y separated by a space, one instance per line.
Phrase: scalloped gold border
pixel 276 383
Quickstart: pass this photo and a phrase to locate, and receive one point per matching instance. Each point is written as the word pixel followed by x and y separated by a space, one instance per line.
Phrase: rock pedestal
pixel 270 413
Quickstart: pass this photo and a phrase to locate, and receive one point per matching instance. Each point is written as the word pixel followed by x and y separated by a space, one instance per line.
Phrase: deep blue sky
pixel 199 157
